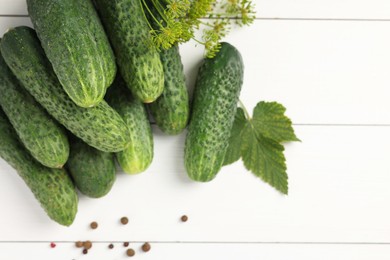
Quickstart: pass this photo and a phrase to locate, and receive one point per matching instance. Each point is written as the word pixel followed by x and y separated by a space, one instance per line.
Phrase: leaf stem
pixel 244 108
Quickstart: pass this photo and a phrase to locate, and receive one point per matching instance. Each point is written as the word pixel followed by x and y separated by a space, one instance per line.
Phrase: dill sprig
pixel 176 21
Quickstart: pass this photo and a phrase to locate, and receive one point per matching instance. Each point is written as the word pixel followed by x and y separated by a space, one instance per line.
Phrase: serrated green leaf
pixel 269 121
pixel 264 158
pixel 233 152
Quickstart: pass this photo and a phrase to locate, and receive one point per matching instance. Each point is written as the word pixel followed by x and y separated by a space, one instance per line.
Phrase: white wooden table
pixel 328 62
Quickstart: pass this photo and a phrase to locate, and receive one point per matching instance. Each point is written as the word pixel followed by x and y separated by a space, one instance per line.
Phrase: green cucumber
pixel 53 188
pixel 138 62
pixel 93 171
pixel 171 109
pixel 99 126
pixel 41 135
pixel 138 156
pixel 217 89
pixel 75 43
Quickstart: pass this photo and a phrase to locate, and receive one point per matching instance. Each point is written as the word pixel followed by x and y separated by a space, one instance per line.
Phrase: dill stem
pixel 151 13
pixel 206 24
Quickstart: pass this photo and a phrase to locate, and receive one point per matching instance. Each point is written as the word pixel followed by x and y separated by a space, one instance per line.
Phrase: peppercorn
pixel 124 220
pixel 85 251
pixel 87 244
pixel 126 244
pixel 130 252
pixel 94 225
pixel 53 245
pixel 110 246
pixel 79 244
pixel 146 247
pixel 184 218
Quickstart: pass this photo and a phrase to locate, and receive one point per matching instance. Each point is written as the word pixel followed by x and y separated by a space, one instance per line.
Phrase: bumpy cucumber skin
pixel 93 171
pixel 53 188
pixel 216 95
pixel 171 109
pixel 99 126
pixel 138 156
pixel 128 31
pixel 75 43
pixel 41 135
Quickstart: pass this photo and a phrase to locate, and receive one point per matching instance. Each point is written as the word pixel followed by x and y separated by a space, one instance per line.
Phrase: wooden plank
pixel 176 251
pixel 338 193
pixel 323 72
pixel 9 22
pixel 13 7
pixel 334 9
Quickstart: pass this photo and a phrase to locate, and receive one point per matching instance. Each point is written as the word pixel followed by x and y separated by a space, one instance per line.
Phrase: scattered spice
pixel 130 252
pixel 87 244
pixel 53 245
pixel 94 225
pixel 124 220
pixel 126 244
pixel 184 218
pixel 85 251
pixel 79 244
pixel 146 247
pixel 110 246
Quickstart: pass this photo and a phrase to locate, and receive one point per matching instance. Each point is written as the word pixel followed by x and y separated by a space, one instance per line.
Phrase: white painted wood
pixel 323 72
pixel 67 251
pixel 9 22
pixel 339 189
pixel 13 7
pixel 336 9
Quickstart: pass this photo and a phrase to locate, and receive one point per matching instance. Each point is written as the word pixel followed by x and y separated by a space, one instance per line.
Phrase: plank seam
pixel 272 18
pixel 341 125
pixel 323 19
pixel 208 242
pixel 14 15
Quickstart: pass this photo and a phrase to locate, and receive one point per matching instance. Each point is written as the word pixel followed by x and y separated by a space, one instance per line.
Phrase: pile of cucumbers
pixel 75 92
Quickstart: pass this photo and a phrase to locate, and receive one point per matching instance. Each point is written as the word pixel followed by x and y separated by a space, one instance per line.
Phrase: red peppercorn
pixel 53 245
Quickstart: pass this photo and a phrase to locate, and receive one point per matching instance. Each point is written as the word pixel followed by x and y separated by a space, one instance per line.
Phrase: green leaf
pixel 269 121
pixel 233 152
pixel 264 158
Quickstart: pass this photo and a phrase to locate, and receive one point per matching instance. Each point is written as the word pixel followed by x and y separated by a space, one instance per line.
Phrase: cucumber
pixel 75 43
pixel 99 126
pixel 93 171
pixel 138 156
pixel 216 93
pixel 53 188
pixel 41 135
pixel 171 109
pixel 138 62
